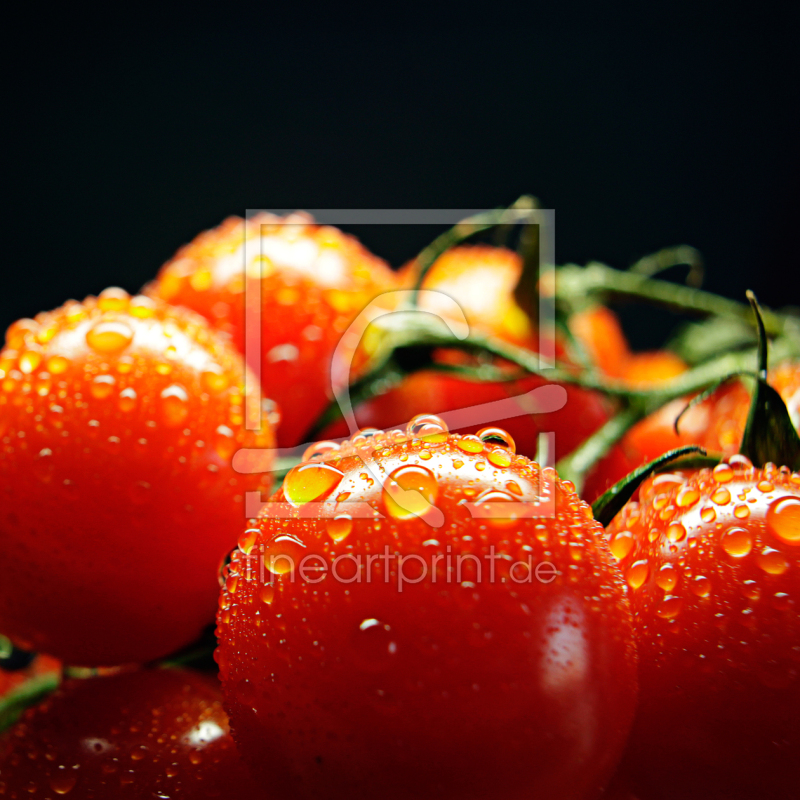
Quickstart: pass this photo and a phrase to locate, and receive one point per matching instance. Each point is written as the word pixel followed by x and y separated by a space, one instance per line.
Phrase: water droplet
pixel 670 607
pixel 667 578
pixel 63 784
pixel 783 519
pixel 109 337
pixel 113 299
pixel 765 487
pixel 470 444
pixel 283 553
pixel 29 360
pixel 708 514
pixel 497 436
pixel 721 497
pixel 175 404
pixel 57 365
pixel 142 307
pixel 751 590
pixel 637 573
pixel 320 451
pixel 127 399
pixel 701 586
pixel 741 462
pixel 267 594
pixel 248 539
pixel 741 512
pixel 503 510
pixel 307 482
pixel 410 491
pixel 723 473
pixel 374 645
pixel 687 497
pixel 772 561
pixel 102 386
pixel 214 379
pixel 737 542
pixel 425 425
pixel 499 457
pixel 621 545
pixel 676 532
pixel 514 488
pixel 339 527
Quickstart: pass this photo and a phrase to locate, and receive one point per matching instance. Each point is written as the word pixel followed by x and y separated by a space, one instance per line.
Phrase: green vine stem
pixel 15 702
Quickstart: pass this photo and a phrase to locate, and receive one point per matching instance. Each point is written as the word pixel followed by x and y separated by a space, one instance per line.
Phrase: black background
pixel 661 132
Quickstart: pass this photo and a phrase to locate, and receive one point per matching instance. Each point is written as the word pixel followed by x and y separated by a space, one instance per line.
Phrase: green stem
pixel 29 693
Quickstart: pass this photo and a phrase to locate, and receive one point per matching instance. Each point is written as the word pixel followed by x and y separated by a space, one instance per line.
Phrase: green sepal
pixel 769 435
pixel 28 694
pixel 606 507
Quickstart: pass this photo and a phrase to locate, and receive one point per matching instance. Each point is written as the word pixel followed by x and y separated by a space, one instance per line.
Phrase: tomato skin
pixel 471 688
pixel 481 279
pixel 316 280
pixel 118 420
pixel 718 631
pixel 152 733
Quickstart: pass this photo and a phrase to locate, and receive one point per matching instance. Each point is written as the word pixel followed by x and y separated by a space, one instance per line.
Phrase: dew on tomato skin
pixel 667 578
pixel 109 336
pixel 741 512
pixel 781 601
pixel 687 497
pixel 340 527
pixel 701 586
pixel 737 542
pixel 63 784
pixel 676 532
pixel 470 444
pixel 247 541
pixel 499 457
pixel 621 545
pixel 425 455
pixel 267 594
pixel 127 399
pixel 312 481
pixel 493 435
pixel 514 488
pixel 283 553
pixel 708 514
pixel 29 361
pixel 113 299
pixel 410 491
pixel 174 405
pixel 57 365
pixel 102 386
pixel 457 464
pixel 425 425
pixel 722 473
pixel 772 561
pixel 783 520
pixel 669 607
pixel 214 379
pixel 637 573
pixel 721 497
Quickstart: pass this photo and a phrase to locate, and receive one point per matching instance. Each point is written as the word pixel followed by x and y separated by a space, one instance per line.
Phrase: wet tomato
pixel 713 563
pixel 118 420
pixel 147 734
pixel 426 615
pixel 314 281
pixel 482 279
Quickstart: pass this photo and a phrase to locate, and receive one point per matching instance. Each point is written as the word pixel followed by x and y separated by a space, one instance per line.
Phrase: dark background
pixel 663 132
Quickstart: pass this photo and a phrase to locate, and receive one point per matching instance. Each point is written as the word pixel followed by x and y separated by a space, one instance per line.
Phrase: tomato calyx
pixel 769 435
pixel 609 504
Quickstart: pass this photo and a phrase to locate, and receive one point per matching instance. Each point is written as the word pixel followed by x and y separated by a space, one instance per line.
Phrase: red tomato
pixel 717 424
pixel 155 733
pixel 350 670
pixel 118 419
pixel 315 282
pixel 713 563
pixel 600 334
pixel 482 280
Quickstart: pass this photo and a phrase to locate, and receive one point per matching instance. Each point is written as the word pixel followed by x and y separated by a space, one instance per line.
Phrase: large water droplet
pixel 425 425
pixel 102 386
pixel 319 451
pixel 783 519
pixel 497 436
pixel 339 527
pixel 410 491
pixel 773 562
pixel 621 545
pixel 637 574
pixel 110 336
pixel 723 473
pixel 175 404
pixel 308 482
pixel 284 553
pixel 737 542
pixel 669 607
pixel 470 444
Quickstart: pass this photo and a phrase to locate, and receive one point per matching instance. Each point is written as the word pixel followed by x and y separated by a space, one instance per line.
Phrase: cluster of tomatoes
pixel 419 609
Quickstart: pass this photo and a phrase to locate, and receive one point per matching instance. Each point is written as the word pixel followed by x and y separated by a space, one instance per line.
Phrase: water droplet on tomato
pixel 284 553
pixel 723 473
pixel 102 386
pixel 708 514
pixel 676 532
pixel 737 542
pixel 127 399
pixel 687 497
pixel 621 545
pixel 63 784
pixel 741 511
pixel 499 457
pixel 339 527
pixel 783 519
pixel 637 574
pixel 175 404
pixel 308 482
pixel 410 491
pixel 470 444
pixel 108 337
pixel 113 299
pixel 670 607
pixel 425 425
pixel 57 365
pixel 214 379
pixel 667 578
pixel 319 451
pixel 29 360
pixel 497 436
pixel 772 561
pixel 267 594
pixel 701 586
pixel 721 497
